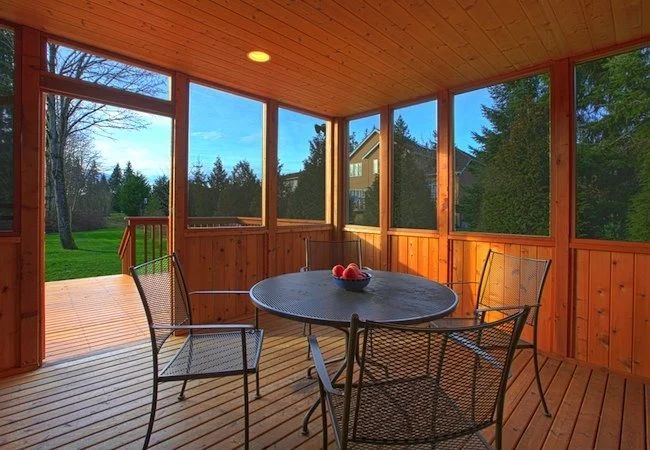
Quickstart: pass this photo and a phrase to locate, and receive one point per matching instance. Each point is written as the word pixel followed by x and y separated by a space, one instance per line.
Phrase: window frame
pixel 327 220
pixel 263 226
pixel 432 232
pixel 523 239
pixel 346 225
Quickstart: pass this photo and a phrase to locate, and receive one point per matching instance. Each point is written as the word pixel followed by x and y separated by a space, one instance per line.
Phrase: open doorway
pixel 107 168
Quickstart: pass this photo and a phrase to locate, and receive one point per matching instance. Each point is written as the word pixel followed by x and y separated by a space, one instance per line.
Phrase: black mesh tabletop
pixel 390 297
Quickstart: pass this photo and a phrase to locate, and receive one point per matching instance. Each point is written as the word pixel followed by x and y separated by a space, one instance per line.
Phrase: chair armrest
pixel 209 326
pixel 303 269
pixel 504 308
pixel 319 364
pixel 452 283
pixel 219 293
pixel 367 268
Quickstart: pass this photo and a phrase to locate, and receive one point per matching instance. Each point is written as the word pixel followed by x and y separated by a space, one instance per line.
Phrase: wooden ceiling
pixel 340 57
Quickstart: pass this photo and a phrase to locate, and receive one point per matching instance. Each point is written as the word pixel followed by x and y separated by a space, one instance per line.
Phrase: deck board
pixel 76 323
pixel 102 401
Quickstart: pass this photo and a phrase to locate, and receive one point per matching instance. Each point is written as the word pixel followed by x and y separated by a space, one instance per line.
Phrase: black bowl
pixel 353 285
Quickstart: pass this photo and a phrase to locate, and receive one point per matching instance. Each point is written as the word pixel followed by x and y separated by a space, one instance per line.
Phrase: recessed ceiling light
pixel 258 56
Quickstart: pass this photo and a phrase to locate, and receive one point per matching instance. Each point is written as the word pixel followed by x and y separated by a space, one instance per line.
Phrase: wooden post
pixel 561 201
pixel 385 146
pixel 178 196
pixel 32 166
pixel 270 193
pixel 338 149
pixel 444 180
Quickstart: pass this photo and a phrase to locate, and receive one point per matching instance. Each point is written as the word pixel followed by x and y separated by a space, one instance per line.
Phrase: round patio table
pixel 390 297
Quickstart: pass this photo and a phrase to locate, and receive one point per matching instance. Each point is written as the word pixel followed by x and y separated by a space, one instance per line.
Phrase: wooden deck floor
pixel 102 401
pixel 90 315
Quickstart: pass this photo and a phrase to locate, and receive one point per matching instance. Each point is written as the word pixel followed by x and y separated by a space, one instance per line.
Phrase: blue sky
pixel 231 127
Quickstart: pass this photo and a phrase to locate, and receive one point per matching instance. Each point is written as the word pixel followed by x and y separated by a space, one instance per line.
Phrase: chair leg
pixel 181 396
pixel 246 436
pixel 539 381
pixel 308 327
pixel 257 384
pixel 498 435
pixel 323 410
pixel 152 415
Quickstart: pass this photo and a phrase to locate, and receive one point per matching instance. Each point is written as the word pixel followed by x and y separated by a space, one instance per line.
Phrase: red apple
pixel 337 270
pixel 353 265
pixel 349 274
pixel 360 275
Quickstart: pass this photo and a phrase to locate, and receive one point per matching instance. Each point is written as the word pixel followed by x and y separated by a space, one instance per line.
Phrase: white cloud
pixel 208 135
pixel 152 160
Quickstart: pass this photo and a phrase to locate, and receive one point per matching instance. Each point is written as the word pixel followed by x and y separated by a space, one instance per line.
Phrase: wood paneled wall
pixel 612 298
pixel 9 303
pixel 237 262
pixel 370 246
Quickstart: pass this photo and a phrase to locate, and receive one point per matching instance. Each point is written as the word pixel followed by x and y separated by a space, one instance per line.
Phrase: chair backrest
pixel 320 255
pixel 163 292
pixel 427 385
pixel 512 281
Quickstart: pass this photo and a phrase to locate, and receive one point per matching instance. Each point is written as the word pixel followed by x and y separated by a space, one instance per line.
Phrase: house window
pixel 375 166
pixel 302 143
pixel 613 147
pixel 502 158
pixel 356 169
pixel 414 166
pixel 7 91
pixel 225 159
pixel 363 191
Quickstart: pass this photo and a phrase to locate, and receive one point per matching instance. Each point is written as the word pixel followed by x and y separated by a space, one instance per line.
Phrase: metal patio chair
pixel 323 255
pixel 442 386
pixel 508 282
pixel 208 350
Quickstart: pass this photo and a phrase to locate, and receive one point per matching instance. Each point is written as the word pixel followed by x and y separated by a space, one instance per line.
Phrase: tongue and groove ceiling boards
pixel 340 57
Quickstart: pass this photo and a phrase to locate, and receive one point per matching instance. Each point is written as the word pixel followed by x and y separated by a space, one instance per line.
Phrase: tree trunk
pixel 56 148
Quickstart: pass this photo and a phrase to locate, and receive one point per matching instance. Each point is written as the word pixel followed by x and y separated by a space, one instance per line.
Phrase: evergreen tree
pixel 370 215
pixel 133 193
pixel 307 201
pixel 613 144
pixel 414 168
pixel 114 182
pixel 511 193
pixel 217 182
pixel 158 204
pixel 243 195
pixel 200 204
pixel 7 62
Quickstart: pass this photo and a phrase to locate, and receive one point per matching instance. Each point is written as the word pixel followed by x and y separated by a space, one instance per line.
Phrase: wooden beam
pixel 270 191
pixel 385 151
pixel 55 84
pixel 178 196
pixel 562 177
pixel 31 321
pixel 444 180
pixel 339 159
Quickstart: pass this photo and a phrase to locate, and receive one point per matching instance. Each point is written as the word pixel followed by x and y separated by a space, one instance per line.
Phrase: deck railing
pixel 144 239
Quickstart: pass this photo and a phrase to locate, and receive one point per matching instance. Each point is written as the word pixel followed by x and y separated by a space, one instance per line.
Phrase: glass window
pixel 7 90
pixel 73 63
pixel 363 181
pixel 613 147
pixel 225 159
pixel 501 158
pixel 414 166
pixel 302 143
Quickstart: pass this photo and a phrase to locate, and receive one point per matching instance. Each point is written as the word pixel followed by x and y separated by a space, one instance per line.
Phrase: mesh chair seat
pixel 471 442
pixel 400 412
pixel 207 355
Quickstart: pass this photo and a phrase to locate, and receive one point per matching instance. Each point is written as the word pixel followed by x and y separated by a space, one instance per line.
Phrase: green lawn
pixel 96 255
